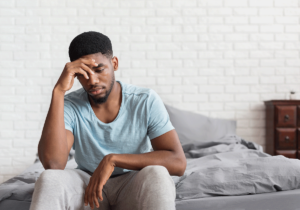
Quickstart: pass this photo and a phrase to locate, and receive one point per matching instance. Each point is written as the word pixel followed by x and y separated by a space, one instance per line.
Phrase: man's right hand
pixel 71 70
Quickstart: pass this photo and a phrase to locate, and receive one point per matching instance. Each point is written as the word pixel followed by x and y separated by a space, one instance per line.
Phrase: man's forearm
pixel 53 148
pixel 169 159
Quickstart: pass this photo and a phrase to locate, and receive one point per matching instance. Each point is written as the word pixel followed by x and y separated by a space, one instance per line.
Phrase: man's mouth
pixel 96 91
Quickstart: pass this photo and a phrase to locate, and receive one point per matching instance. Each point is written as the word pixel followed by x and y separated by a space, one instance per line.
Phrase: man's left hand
pixel 97 181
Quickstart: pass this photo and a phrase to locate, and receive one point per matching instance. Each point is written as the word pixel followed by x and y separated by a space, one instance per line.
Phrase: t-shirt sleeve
pixel 69 116
pixel 158 119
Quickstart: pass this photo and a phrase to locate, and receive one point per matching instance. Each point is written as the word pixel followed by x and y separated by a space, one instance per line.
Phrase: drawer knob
pixel 287 138
pixel 286 117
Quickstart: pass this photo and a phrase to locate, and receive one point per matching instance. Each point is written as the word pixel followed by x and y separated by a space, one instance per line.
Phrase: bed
pixel 223 171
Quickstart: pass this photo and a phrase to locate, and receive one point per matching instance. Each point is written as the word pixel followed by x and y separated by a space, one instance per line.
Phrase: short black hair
pixel 89 43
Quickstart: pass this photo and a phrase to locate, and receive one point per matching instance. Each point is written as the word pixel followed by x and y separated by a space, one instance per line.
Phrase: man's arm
pixel 167 152
pixel 53 146
pixel 56 142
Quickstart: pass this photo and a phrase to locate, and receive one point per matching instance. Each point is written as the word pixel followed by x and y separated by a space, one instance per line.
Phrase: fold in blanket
pixel 233 166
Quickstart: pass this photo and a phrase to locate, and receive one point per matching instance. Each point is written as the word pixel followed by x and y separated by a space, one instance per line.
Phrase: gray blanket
pixel 233 166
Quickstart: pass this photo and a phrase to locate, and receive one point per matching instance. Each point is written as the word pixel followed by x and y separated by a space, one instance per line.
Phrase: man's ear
pixel 115 63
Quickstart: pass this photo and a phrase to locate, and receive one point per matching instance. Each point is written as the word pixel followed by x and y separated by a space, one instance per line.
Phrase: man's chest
pixel 129 128
pixel 106 116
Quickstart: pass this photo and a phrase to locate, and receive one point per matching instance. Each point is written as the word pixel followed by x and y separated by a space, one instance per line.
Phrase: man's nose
pixel 93 79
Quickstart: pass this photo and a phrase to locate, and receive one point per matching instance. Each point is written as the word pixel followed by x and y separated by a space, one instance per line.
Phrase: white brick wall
pixel 221 58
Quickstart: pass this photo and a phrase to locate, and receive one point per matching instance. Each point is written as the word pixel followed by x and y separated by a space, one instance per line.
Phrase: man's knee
pixel 155 171
pixel 157 175
pixel 158 184
pixel 51 176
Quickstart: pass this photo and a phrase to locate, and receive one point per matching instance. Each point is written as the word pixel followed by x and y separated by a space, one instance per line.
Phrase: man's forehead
pixel 98 55
pixel 99 58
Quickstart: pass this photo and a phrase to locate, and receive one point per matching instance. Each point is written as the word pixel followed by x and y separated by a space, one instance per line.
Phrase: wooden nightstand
pixel 283 128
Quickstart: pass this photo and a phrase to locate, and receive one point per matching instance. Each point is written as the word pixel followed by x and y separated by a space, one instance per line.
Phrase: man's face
pixel 99 84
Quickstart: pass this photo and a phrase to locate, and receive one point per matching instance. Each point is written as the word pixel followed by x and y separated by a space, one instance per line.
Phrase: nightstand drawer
pixel 287 153
pixel 285 138
pixel 286 116
pixel 298 116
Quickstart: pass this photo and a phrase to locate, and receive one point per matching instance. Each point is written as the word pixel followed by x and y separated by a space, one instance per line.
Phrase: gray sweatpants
pixel 151 188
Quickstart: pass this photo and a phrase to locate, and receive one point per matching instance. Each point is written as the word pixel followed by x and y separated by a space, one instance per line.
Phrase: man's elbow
pixel 181 167
pixel 50 163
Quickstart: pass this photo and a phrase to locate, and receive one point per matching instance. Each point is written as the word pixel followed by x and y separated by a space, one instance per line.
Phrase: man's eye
pixel 100 70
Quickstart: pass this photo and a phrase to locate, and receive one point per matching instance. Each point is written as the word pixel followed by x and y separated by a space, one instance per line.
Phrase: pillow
pixel 192 127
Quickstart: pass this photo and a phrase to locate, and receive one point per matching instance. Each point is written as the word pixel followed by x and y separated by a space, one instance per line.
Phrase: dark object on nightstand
pixel 283 128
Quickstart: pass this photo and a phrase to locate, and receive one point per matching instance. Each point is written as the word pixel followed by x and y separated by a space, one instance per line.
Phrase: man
pixel 113 127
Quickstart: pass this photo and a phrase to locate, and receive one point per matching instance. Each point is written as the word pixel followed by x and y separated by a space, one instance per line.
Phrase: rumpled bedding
pixel 20 187
pixel 228 166
pixel 233 166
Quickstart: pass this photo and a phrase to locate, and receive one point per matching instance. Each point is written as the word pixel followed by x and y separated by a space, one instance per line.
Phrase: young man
pixel 125 145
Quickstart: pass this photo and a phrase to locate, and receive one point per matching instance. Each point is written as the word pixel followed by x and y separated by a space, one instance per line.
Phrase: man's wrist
pixel 111 159
pixel 58 91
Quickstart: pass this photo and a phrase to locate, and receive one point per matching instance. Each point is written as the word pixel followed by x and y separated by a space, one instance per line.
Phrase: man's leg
pixel 151 188
pixel 63 189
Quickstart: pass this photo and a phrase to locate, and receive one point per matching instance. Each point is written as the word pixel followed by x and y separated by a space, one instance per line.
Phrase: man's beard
pixel 103 99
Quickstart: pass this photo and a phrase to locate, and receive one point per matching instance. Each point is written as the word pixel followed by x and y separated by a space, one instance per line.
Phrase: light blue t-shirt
pixel 142 117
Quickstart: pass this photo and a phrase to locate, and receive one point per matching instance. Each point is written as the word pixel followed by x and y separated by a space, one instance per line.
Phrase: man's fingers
pixel 86 196
pixel 95 195
pixel 89 61
pixel 91 196
pixel 96 200
pixel 99 192
pixel 86 68
pixel 81 71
